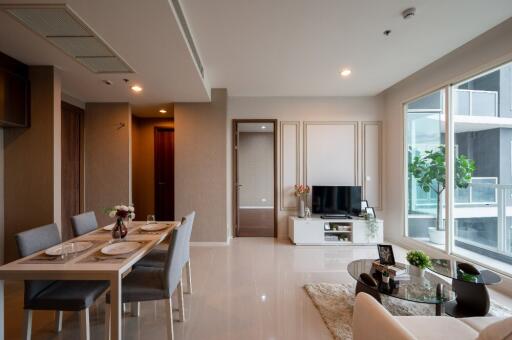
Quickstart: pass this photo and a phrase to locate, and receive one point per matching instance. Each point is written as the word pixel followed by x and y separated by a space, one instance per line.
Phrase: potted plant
pixel 429 170
pixel 301 192
pixel 418 261
pixel 385 276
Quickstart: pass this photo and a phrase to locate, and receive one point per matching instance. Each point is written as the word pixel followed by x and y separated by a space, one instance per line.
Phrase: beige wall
pixel 143 163
pixel 486 51
pixel 32 162
pixel 2 227
pixel 297 109
pixel 107 168
pixel 200 165
pixel 256 169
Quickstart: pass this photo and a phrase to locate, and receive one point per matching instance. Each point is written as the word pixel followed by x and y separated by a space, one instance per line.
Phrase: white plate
pixel 154 227
pixel 120 248
pixel 109 227
pixel 68 248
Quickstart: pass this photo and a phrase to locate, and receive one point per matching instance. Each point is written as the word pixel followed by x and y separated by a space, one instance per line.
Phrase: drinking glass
pixel 151 219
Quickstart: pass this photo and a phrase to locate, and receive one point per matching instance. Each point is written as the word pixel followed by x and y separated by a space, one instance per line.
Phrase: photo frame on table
pixel 364 205
pixel 370 212
pixel 386 256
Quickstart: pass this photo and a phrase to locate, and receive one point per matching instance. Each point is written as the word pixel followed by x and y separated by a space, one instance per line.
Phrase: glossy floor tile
pixel 251 289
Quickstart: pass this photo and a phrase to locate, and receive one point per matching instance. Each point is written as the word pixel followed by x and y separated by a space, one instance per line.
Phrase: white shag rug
pixel 335 303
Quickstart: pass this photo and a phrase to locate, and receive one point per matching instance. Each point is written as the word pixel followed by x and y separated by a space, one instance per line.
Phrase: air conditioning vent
pixel 188 35
pixel 60 26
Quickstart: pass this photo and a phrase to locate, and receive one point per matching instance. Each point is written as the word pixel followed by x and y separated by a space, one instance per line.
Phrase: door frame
pixel 155 130
pixel 234 180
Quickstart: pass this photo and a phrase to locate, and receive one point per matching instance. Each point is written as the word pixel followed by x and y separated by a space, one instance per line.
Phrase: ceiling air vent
pixel 60 26
pixel 188 35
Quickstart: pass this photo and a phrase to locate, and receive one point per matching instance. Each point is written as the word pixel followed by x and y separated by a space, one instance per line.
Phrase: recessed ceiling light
pixel 136 88
pixel 263 127
pixel 345 72
pixel 162 111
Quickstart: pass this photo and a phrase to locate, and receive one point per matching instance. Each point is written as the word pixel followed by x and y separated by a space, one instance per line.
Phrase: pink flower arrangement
pixel 301 190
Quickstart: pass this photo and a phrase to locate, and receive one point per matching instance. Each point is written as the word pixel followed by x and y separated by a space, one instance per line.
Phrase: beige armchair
pixel 371 321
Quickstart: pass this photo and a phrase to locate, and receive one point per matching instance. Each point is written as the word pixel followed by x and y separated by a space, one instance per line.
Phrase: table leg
pixel 2 321
pixel 116 306
pixel 439 309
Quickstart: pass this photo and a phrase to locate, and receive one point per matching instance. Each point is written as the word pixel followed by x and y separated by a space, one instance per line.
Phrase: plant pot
pixel 436 236
pixel 416 271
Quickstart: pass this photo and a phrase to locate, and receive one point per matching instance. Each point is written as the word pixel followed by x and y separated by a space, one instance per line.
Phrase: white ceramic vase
pixel 416 271
pixel 302 208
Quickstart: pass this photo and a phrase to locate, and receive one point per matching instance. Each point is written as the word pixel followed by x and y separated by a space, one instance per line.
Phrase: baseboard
pixel 210 244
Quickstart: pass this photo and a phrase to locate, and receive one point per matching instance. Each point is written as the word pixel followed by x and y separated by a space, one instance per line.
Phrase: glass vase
pixel 119 231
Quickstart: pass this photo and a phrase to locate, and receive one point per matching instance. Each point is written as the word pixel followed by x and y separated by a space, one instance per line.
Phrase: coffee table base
pixel 472 300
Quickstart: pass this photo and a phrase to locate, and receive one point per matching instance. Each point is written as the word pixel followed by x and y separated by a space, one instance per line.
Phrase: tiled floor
pixel 251 289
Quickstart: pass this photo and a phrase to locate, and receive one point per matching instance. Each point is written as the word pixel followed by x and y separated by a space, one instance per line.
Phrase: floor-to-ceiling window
pixel 425 121
pixel 480 227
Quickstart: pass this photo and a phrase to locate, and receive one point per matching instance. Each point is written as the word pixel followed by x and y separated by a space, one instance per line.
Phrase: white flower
pixel 124 208
pixel 112 213
pixel 132 216
pixel 131 208
pixel 117 207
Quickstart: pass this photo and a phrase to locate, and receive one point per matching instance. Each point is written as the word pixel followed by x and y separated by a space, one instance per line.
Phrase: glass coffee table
pixel 429 289
pixel 472 294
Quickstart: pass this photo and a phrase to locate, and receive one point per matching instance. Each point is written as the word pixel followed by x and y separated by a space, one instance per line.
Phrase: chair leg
pixel 85 333
pixel 27 324
pixel 135 309
pixel 168 312
pixel 107 321
pixel 58 321
pixel 181 304
pixel 188 271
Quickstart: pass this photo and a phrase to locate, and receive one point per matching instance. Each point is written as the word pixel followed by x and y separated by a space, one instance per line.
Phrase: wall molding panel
pixel 372 163
pixel 289 174
pixel 331 153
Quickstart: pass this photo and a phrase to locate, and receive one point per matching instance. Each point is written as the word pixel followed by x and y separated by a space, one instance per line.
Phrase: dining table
pixel 93 263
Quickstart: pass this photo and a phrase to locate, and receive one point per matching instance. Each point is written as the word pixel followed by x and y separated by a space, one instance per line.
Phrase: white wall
pixel 486 51
pixel 298 109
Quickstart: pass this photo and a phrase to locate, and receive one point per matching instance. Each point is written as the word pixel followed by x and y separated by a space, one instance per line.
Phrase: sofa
pixel 371 321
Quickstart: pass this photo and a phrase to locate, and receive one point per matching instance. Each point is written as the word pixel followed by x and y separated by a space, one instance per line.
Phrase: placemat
pixel 99 257
pixel 43 258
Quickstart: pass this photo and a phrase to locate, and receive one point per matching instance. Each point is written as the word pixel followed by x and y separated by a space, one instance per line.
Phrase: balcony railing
pixel 475 103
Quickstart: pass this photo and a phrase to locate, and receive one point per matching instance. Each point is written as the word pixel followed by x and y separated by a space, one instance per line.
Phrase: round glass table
pixel 429 289
pixel 469 286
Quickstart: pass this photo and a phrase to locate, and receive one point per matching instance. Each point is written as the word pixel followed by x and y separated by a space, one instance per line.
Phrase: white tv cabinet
pixel 318 231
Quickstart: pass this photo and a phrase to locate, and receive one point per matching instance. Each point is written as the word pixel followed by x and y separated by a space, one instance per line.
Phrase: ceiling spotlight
pixel 386 32
pixel 263 127
pixel 408 13
pixel 345 72
pixel 136 88
pixel 107 82
pixel 162 111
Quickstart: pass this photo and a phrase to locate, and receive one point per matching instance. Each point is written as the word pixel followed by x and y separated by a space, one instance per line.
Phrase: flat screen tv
pixel 336 200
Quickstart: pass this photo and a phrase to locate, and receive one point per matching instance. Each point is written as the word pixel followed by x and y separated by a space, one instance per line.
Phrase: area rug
pixel 335 303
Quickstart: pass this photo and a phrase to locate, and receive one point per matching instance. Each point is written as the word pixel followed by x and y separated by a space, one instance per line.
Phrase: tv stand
pixel 337 231
pixel 336 217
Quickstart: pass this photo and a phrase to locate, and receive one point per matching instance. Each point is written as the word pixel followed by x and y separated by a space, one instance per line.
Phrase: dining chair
pixel 84 223
pixel 58 296
pixel 157 283
pixel 156 258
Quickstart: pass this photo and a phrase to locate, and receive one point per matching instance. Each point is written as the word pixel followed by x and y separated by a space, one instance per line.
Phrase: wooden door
pixel 164 174
pixel 71 117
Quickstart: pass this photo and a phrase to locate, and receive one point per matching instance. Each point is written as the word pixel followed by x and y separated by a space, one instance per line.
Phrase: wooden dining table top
pixel 91 260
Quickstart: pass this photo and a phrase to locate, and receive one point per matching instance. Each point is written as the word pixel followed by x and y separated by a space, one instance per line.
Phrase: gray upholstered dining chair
pixel 156 258
pixel 55 295
pixel 153 283
pixel 84 223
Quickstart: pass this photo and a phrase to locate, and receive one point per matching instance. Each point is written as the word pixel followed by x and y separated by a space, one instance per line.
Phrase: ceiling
pixel 147 36
pixel 297 47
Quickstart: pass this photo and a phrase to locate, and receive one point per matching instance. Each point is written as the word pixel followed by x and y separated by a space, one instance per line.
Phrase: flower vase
pixel 302 208
pixel 119 231
pixel 416 271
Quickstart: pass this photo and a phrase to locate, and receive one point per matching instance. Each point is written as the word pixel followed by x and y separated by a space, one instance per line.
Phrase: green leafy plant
pixel 419 259
pixel 429 170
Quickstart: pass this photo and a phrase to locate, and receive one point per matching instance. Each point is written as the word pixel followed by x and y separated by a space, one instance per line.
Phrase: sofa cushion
pixel 437 327
pixel 501 330
pixel 479 323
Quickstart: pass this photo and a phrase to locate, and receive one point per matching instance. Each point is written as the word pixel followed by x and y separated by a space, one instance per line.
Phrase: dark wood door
pixel 164 174
pixel 71 156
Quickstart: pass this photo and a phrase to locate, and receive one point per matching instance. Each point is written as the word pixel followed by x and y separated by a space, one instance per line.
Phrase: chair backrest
pixel 84 223
pixel 32 241
pixel 190 222
pixel 175 254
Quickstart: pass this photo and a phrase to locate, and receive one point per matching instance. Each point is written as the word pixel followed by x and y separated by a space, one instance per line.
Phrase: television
pixel 336 200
